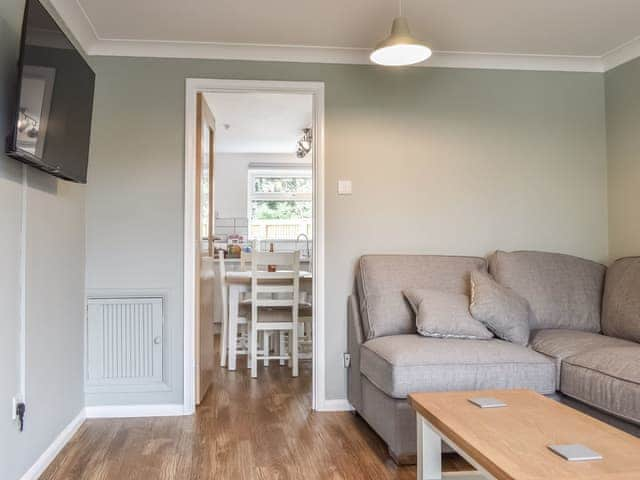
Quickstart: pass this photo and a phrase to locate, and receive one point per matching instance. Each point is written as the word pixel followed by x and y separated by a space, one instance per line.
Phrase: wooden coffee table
pixel 510 443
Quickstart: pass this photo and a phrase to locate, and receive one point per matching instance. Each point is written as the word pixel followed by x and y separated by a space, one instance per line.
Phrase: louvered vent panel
pixel 124 341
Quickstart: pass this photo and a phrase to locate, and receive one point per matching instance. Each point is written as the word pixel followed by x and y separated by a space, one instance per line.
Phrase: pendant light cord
pixel 399 8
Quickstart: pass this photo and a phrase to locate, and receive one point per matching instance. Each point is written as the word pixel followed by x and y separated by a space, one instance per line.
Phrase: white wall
pixel 231 170
pixel 53 249
pixel 623 155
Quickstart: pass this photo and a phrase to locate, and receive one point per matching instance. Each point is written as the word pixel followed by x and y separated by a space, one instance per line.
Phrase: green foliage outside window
pixel 281 210
pixel 282 185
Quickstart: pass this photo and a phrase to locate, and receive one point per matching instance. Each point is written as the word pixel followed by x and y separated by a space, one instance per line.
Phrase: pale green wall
pixel 623 154
pixel 442 161
pixel 54 253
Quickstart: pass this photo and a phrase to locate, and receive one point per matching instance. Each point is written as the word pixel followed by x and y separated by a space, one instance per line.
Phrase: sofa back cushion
pixel 563 291
pixel 621 307
pixel 382 278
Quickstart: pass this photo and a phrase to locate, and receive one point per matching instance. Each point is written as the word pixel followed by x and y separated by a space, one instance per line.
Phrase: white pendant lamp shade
pixel 400 48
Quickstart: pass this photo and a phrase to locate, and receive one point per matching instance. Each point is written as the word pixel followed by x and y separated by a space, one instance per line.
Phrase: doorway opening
pixel 254 181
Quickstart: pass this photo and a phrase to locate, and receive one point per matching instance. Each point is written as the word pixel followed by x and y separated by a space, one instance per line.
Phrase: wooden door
pixel 205 130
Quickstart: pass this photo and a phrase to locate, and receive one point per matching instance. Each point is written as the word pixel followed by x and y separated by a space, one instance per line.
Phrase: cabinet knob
pixel 157 340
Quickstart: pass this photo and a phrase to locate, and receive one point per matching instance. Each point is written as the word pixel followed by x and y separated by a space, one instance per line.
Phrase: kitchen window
pixel 280 203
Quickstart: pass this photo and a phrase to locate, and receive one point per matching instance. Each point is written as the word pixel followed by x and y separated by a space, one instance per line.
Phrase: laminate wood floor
pixel 244 429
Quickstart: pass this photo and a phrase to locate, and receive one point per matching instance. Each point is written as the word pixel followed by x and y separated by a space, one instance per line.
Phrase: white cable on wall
pixel 22 345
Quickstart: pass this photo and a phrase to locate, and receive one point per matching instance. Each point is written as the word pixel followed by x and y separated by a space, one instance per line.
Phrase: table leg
pixel 266 347
pixel 282 346
pixel 429 452
pixel 232 342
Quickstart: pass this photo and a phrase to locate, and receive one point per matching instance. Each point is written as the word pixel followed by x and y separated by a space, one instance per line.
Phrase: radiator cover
pixel 124 343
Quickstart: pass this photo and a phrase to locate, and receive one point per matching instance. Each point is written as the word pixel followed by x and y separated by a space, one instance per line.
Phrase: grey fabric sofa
pixel 583 349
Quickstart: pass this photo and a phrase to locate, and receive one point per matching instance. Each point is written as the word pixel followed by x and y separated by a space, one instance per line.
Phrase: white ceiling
pixel 546 34
pixel 259 122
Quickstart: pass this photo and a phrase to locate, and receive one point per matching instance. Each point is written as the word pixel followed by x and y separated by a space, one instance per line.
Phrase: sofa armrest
pixel 355 338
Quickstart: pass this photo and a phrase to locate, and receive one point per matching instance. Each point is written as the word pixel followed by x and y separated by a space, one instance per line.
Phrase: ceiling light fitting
pixel 28 123
pixel 400 47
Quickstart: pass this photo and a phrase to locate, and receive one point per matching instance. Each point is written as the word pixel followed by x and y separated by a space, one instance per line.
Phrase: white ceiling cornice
pixel 357 56
pixel 76 21
pixel 80 25
pixel 622 54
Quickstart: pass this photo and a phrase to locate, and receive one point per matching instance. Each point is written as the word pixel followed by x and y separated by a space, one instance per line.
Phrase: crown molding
pixel 75 21
pixel 228 51
pixel 78 22
pixel 507 61
pixel 622 54
pixel 357 56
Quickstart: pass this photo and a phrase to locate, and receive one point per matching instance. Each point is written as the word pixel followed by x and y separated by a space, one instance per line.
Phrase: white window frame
pixel 275 196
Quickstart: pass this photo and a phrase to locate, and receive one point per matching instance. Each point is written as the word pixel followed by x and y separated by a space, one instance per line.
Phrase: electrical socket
pixel 346 360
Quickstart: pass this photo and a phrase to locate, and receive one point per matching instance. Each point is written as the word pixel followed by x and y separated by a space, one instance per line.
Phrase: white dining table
pixel 239 282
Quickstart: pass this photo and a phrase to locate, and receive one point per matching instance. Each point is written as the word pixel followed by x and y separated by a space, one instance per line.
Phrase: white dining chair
pixel 245 265
pixel 272 291
pixel 281 341
pixel 225 342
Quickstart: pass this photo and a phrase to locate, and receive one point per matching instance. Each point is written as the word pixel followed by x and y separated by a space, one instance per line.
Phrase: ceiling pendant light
pixel 400 48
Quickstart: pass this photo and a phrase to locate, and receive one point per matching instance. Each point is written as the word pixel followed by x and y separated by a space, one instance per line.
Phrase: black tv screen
pixel 52 121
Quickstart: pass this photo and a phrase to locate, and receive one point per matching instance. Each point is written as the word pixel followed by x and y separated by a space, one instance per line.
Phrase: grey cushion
pixel 560 344
pixel 444 315
pixel 607 378
pixel 401 364
pixel 382 278
pixel 621 304
pixel 501 309
pixel 563 291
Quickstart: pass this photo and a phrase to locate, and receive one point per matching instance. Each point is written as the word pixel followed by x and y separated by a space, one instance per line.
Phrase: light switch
pixel 344 187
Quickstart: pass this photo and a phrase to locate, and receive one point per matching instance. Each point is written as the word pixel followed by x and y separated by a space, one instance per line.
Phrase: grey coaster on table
pixel 575 452
pixel 487 402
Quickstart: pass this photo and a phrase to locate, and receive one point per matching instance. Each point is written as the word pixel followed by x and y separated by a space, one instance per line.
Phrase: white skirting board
pixel 337 405
pixel 127 411
pixel 50 453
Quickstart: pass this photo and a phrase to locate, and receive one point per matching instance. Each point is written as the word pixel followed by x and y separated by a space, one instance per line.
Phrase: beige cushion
pixel 621 304
pixel 499 308
pixel 560 344
pixel 563 291
pixel 382 278
pixel 607 378
pixel 444 315
pixel 401 364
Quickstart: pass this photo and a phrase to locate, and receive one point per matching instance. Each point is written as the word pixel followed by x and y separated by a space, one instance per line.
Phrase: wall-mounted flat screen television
pixel 54 100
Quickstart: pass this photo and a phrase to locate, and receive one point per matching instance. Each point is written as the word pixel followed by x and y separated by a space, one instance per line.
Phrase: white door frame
pixel 316 89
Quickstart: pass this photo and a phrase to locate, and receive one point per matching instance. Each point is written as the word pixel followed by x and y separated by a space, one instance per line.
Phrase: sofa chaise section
pixel 401 364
